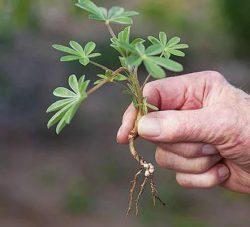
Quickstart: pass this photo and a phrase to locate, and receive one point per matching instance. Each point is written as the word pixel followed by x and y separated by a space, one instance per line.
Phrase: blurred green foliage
pixel 237 21
pixel 17 14
pixel 166 13
pixel 78 199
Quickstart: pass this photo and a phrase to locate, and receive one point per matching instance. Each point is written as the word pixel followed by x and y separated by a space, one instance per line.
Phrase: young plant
pixel 156 57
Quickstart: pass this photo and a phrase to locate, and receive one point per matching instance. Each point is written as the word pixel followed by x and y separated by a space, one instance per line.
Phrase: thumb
pixel 203 125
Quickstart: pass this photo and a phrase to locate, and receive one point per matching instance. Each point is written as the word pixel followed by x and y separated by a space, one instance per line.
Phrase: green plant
pixel 133 54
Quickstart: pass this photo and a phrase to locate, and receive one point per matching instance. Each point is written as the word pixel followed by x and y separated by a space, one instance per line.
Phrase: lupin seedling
pixel 156 58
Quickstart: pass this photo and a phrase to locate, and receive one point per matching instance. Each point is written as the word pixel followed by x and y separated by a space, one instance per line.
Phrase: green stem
pixel 110 29
pixel 100 66
pixel 114 74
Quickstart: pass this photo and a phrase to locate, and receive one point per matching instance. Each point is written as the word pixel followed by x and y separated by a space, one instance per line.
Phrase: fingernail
pixel 208 150
pixel 149 127
pixel 223 171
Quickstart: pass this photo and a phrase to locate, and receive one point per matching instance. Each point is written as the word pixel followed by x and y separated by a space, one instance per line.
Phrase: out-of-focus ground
pixel 81 178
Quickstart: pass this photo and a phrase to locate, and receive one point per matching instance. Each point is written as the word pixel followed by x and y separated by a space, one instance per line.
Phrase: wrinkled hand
pixel 202 130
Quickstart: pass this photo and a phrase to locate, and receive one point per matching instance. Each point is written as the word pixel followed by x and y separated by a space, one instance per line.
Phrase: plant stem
pixel 93 89
pixel 110 30
pixel 100 66
pixel 114 74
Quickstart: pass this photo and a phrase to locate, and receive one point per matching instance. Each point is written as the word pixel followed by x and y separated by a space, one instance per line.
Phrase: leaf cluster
pixel 113 15
pixel 66 108
pixel 154 53
pixel 168 47
pixel 77 53
pixel 155 57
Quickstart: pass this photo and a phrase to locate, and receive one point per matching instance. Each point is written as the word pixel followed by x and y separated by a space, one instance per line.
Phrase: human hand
pixel 202 130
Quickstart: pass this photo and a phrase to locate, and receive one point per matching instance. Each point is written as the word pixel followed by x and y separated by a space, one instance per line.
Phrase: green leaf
pixel 73 83
pixel 76 46
pixel 115 11
pixel 140 48
pixel 153 69
pixel 60 126
pixel 84 61
pixel 63 92
pixel 64 49
pixel 134 60
pixel 120 77
pixel 177 53
pixel 102 76
pixel 66 108
pixel 56 117
pixel 115 14
pixel 152 107
pixel 153 50
pixel 98 82
pixel 104 12
pixel 122 20
pixel 181 46
pixel 71 112
pixel 124 35
pixel 130 13
pixel 153 40
pixel 163 38
pixel 173 41
pixel 79 53
pixel 83 87
pixel 90 7
pixel 58 105
pixel 167 63
pixel 93 55
pixel 90 46
pixel 169 48
pixel 136 41
pixel 69 58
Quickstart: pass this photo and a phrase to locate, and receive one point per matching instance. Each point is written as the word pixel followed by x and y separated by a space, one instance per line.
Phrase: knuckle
pixel 215 76
pixel 229 124
pixel 202 164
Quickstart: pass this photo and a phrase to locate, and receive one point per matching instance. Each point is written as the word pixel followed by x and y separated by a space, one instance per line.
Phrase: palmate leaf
pixel 113 15
pixel 122 43
pixel 168 48
pixel 66 108
pixel 77 52
pixel 153 63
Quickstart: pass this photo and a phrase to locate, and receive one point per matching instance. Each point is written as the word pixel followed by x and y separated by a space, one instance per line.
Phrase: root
pixel 154 192
pixel 139 196
pixel 147 169
pixel 131 191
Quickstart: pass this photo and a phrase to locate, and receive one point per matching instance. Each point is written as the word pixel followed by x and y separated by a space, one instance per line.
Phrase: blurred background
pixel 81 178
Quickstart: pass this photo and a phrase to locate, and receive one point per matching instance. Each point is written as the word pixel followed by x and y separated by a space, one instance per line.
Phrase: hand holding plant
pixel 201 131
pixel 156 57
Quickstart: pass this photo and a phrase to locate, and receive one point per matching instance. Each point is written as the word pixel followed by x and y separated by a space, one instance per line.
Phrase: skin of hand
pixel 202 130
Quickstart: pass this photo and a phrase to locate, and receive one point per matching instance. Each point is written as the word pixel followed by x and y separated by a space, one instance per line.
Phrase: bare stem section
pixel 110 29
